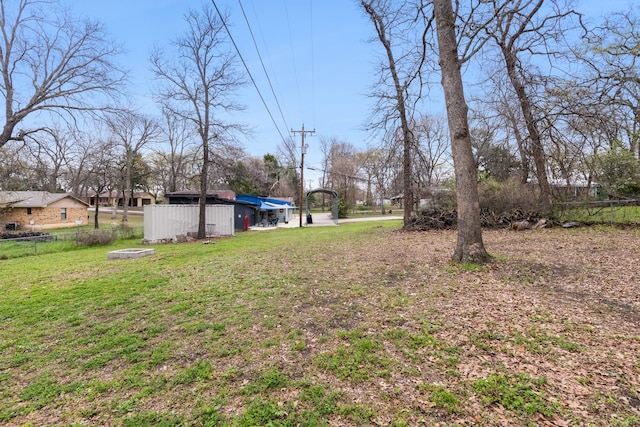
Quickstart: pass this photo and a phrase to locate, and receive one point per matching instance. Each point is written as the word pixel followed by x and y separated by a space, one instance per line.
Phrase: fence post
pixel 611 214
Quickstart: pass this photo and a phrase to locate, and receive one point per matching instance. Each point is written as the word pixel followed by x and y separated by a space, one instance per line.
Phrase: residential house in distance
pixel 114 198
pixel 39 210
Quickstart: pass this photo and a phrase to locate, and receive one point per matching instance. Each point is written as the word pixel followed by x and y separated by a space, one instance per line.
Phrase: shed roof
pixel 266 203
pixel 269 206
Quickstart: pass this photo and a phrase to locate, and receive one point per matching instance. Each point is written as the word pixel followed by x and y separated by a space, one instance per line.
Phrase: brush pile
pixel 26 235
pixel 444 219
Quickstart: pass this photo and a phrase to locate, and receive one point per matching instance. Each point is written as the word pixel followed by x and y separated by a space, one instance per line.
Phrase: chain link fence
pixel 612 212
pixel 30 243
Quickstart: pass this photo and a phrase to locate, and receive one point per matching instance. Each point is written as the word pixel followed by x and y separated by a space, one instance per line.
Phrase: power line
pixel 247 69
pixel 354 177
pixel 262 63
pixel 293 57
pixel 313 76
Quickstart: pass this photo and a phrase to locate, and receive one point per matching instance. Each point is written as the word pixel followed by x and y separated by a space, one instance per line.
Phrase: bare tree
pixel 51 62
pixel 131 132
pixel 288 156
pixel 16 172
pixel 343 172
pixel 51 149
pixel 431 148
pixel 613 60
pixel 498 111
pixel 401 71
pixel 470 247
pixel 99 171
pixel 198 87
pixel 378 166
pixel 78 155
pixel 521 29
pixel 172 165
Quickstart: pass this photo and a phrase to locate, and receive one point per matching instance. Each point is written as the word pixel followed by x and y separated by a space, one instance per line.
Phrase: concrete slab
pixel 130 253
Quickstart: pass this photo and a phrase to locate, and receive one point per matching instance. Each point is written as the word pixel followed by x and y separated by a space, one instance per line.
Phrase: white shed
pixel 162 222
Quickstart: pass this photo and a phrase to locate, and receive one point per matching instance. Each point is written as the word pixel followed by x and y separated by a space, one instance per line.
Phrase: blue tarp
pixel 266 206
pixel 265 203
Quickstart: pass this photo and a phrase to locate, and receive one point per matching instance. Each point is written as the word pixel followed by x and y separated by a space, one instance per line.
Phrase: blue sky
pixel 316 54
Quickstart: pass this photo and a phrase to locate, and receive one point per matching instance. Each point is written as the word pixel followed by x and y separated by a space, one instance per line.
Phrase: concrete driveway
pixel 324 219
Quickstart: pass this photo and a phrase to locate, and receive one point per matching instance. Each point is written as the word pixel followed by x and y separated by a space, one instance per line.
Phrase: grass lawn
pixel 353 325
pixel 603 214
pixel 68 239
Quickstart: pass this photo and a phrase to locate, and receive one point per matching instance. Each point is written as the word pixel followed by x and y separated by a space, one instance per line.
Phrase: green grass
pixel 159 325
pixel 519 393
pixel 290 327
pixel 356 359
pixel 17 249
pixel 69 239
pixel 613 215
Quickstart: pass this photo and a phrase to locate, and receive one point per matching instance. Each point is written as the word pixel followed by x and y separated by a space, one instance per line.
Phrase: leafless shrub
pixel 96 238
pixel 501 197
pixel 124 231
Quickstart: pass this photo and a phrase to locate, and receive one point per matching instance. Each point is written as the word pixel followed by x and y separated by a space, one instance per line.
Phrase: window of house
pixel 63 213
pixel 28 211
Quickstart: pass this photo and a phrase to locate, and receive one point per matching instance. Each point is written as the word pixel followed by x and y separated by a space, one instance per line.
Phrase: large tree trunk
pixel 96 214
pixel 202 216
pixel 522 150
pixel 127 184
pixel 469 248
pixel 537 150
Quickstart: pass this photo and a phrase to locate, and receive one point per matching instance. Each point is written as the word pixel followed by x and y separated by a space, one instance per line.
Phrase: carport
pixel 334 204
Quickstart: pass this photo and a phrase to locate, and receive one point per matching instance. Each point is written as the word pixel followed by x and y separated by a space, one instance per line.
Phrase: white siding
pixel 168 221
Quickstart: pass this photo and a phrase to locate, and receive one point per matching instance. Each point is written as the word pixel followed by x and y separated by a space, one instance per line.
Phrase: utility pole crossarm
pixel 303 147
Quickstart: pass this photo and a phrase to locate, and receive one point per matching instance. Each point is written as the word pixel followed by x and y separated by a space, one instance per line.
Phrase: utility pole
pixel 302 150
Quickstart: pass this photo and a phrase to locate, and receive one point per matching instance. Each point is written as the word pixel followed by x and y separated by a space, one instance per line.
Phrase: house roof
pixel 222 194
pixel 92 193
pixel 32 199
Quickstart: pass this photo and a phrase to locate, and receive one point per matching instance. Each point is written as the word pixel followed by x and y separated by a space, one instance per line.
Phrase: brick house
pixel 40 210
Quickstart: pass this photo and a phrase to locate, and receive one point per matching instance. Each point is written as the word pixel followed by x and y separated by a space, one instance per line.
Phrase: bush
pixel 507 196
pixel 440 199
pixel 343 209
pixel 124 231
pixel 96 238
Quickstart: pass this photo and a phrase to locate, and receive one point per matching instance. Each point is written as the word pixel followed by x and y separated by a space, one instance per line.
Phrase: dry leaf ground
pixel 368 326
pixel 561 305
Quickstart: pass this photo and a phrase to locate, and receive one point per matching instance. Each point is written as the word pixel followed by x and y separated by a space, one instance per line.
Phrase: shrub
pixel 343 208
pixel 124 231
pixel 500 197
pixel 96 238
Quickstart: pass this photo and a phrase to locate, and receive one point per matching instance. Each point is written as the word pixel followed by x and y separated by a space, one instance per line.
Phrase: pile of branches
pixel 26 235
pixel 447 219
pixel 433 219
